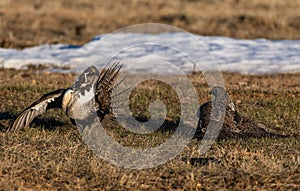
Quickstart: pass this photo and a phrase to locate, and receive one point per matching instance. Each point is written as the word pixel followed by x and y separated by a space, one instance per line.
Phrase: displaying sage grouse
pixel 234 125
pixel 89 85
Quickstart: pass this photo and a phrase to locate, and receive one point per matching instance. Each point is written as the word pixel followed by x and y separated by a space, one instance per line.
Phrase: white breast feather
pixel 88 95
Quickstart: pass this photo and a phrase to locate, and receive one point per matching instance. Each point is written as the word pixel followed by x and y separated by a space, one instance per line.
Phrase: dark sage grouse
pixel 234 125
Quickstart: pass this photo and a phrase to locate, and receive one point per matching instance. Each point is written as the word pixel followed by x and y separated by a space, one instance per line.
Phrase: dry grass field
pixel 52 155
pixel 30 22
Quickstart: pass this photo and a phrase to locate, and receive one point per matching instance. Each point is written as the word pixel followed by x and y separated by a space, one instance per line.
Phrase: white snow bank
pixel 258 56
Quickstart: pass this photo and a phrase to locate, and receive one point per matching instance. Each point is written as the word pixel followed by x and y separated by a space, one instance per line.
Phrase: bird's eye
pixel 214 92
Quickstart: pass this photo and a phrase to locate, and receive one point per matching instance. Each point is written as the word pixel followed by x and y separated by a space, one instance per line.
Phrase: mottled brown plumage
pixel 76 100
pixel 105 85
pixel 234 124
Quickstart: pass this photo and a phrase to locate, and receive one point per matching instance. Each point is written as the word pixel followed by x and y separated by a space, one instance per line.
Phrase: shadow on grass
pixel 203 161
pixel 7 118
pixel 167 127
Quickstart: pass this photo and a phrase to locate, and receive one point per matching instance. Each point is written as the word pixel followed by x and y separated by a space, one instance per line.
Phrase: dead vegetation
pixel 26 23
pixel 52 155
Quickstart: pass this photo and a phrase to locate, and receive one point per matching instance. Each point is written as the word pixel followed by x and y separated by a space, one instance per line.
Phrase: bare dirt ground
pixel 30 22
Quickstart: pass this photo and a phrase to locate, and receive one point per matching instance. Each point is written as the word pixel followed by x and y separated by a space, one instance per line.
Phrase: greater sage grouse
pixel 89 85
pixel 234 125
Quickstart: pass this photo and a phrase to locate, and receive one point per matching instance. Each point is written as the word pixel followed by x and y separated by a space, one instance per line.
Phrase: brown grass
pixel 52 156
pixel 30 22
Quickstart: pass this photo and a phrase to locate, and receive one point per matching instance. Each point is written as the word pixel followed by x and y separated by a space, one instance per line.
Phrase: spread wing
pixel 47 101
pixel 105 85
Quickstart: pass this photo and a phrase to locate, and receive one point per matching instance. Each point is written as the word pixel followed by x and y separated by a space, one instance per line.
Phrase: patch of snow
pixel 259 56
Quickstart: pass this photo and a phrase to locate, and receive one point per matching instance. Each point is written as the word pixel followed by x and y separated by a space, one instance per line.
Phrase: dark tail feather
pixel 105 84
pixel 122 92
pixel 107 76
pixel 276 135
pixel 118 84
pixel 267 133
pixel 118 100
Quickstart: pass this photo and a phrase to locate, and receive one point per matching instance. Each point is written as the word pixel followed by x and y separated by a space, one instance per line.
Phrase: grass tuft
pixel 52 155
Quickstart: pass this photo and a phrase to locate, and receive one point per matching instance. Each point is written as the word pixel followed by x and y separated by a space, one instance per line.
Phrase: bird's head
pixel 86 80
pixel 82 93
pixel 218 92
pixel 220 95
